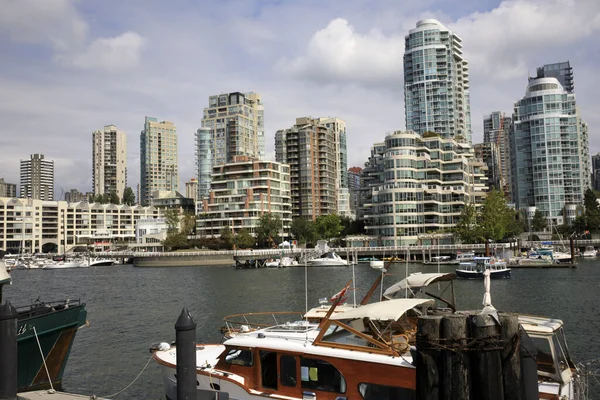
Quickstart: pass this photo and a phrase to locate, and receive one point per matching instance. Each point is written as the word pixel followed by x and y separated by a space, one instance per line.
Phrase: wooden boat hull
pixel 56 332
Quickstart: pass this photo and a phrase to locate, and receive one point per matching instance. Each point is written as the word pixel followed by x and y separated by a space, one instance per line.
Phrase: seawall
pixel 213 260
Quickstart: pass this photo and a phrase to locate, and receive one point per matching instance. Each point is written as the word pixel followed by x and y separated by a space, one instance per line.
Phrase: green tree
pixel 351 226
pixel 114 198
pixel 328 226
pixel 172 219
pixel 495 217
pixel 467 229
pixel 592 211
pixel 226 237
pixel 188 223
pixel 304 230
pixel 428 134
pixel 539 222
pixel 267 228
pixel 175 241
pixel 128 196
pixel 243 239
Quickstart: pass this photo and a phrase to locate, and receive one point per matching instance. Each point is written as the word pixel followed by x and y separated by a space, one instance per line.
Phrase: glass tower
pixel 436 82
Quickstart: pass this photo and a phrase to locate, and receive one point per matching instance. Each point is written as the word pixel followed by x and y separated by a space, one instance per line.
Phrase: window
pixel 320 375
pixel 239 357
pixel 372 391
pixel 288 371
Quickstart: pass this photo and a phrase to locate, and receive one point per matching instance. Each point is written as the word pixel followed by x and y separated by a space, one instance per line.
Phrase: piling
pixel 454 358
pixel 512 375
pixel 572 246
pixel 8 350
pixel 185 336
pixel 428 357
pixel 486 359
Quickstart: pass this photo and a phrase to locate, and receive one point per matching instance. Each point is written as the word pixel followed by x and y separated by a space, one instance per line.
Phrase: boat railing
pixel 248 322
pixel 42 307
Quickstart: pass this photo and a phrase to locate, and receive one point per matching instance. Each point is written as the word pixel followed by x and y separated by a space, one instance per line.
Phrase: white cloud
pixel 110 54
pixel 338 53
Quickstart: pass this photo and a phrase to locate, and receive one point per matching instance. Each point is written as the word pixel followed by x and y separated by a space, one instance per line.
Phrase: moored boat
pixel 590 251
pixel 475 269
pixel 329 259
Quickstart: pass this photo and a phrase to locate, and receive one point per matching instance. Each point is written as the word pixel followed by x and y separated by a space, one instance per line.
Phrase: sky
pixel 69 67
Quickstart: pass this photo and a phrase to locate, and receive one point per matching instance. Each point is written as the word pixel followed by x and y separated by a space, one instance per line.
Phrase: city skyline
pixel 111 65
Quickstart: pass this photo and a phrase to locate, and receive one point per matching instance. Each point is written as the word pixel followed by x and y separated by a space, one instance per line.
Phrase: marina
pixel 134 307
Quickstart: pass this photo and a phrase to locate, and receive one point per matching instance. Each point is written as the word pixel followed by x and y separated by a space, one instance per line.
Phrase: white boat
pixel 590 251
pixel 100 262
pixel 328 259
pixel 377 264
pixel 66 264
pixel 475 268
pixel 465 256
pixel 281 263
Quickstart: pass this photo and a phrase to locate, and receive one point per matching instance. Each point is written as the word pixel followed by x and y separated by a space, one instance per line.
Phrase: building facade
pixel 159 168
pixel 489 153
pixel 436 82
pixel 423 188
pixel 204 161
pixel 241 193
pixel 596 172
pixel 30 224
pixel 75 196
pixel 37 178
pixel 549 150
pixel 354 174
pixel 314 148
pixel 561 71
pixel 191 189
pixel 496 129
pixel 7 189
pixel 109 161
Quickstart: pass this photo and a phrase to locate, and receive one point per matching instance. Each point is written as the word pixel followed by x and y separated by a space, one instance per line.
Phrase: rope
pixel 44 361
pixel 133 381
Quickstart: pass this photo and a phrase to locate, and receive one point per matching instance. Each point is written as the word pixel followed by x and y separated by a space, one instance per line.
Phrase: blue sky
pixel 70 67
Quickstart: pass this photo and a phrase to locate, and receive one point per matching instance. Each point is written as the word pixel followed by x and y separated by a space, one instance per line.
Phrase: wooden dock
pixel 48 395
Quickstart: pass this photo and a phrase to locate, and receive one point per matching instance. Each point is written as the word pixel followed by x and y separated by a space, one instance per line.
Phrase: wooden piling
pixel 428 357
pixel 512 376
pixel 486 359
pixel 454 358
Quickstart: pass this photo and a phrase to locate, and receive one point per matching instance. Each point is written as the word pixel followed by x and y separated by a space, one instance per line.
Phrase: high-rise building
pixel 489 153
pixel 549 148
pixel 109 160
pixel 596 172
pixel 436 82
pixel 561 71
pixel 191 189
pixel 75 196
pixel 158 158
pixel 204 161
pixel 496 129
pixel 7 189
pixel 315 150
pixel 37 178
pixel 354 174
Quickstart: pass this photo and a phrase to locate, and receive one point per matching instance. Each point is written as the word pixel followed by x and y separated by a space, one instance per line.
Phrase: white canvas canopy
pixel 384 310
pixel 416 281
pixel 4 276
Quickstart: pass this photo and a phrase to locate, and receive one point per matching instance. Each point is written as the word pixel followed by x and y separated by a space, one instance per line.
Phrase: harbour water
pixel 130 308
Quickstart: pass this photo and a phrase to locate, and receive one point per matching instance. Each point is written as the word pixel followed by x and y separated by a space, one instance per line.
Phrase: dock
pixel 49 395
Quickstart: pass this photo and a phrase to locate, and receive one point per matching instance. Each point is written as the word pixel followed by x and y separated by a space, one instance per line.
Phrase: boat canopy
pixel 4 276
pixel 384 310
pixel 417 281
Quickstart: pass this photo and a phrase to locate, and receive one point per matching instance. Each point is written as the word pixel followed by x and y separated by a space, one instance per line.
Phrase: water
pixel 130 308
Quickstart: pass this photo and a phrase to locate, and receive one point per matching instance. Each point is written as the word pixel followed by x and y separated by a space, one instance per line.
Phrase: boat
pixel 51 326
pixel 475 269
pixel 100 262
pixel 282 262
pixel 465 256
pixel 377 264
pixel 366 259
pixel 328 259
pixel 51 264
pixel 590 251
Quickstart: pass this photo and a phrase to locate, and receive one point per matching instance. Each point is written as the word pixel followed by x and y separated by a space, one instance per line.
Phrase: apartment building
pixel 159 168
pixel 419 185
pixel 37 178
pixel 315 150
pixel 7 189
pixel 436 82
pixel 29 224
pixel 489 153
pixel 241 193
pixel 109 161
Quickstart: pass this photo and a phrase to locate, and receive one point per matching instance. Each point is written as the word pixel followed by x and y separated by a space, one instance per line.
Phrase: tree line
pixel 113 198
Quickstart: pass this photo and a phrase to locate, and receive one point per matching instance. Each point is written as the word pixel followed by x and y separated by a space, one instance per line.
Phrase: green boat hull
pixel 55 327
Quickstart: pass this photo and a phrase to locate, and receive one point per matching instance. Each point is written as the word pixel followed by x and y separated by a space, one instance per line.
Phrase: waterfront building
pixel 561 71
pixel 354 174
pixel 150 233
pixel 419 185
pixel 372 176
pixel 436 82
pixel 7 189
pixel 596 172
pixel 241 193
pixel 109 161
pixel 172 200
pixel 549 147
pixel 489 153
pixel 75 196
pixel 31 224
pixel 204 160
pixel 37 178
pixel 496 129
pixel 315 150
pixel 158 158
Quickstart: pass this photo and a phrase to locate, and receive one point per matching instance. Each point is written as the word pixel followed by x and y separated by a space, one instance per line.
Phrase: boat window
pixel 372 391
pixel 321 375
pixel 268 367
pixel 239 357
pixel 544 358
pixel 288 371
pixel 560 349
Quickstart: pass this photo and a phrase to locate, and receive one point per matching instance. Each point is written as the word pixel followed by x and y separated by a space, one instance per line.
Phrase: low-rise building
pixel 30 224
pixel 241 193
